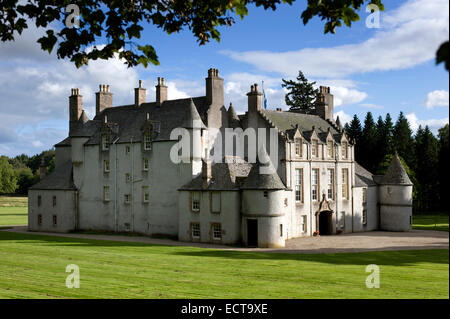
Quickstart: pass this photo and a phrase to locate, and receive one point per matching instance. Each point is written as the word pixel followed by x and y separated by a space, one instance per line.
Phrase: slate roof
pixel 129 119
pixel 363 177
pixel 233 119
pixel 257 180
pixel 60 179
pixel 396 173
pixel 224 176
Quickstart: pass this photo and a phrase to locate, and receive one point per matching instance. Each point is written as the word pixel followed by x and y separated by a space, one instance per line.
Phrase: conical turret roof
pixel 192 116
pixel 84 118
pixel 396 173
pixel 233 119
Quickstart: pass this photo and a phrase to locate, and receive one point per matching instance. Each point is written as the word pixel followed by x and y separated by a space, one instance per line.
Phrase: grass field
pixel 13 210
pixel 431 222
pixel 33 266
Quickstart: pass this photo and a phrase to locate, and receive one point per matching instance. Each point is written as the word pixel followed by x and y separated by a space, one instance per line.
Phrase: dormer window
pixel 147 141
pixel 314 148
pixel 105 142
pixel 298 146
pixel 344 150
pixel 330 149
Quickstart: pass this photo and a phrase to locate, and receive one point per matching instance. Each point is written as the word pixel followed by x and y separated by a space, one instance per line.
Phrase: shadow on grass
pixel 393 258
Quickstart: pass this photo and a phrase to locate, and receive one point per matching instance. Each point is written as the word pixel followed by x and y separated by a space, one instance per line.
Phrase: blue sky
pixel 388 69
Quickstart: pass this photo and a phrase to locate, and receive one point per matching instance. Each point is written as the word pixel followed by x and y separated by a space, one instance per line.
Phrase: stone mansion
pixel 114 173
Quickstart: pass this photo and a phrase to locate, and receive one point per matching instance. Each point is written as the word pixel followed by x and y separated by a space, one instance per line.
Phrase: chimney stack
pixel 254 99
pixel 139 95
pixel 214 88
pixel 206 172
pixel 75 108
pixel 42 169
pixel 161 92
pixel 325 104
pixel 103 99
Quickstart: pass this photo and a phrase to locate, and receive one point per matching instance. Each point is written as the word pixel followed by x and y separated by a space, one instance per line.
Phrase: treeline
pixel 424 155
pixel 17 174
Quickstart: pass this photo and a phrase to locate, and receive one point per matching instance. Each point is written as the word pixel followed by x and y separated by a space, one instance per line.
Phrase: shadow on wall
pixel 392 258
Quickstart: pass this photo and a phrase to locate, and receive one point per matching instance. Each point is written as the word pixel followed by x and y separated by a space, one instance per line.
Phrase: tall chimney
pixel 103 98
pixel 325 104
pixel 214 88
pixel 75 108
pixel 161 92
pixel 139 95
pixel 254 99
pixel 42 169
pixel 206 172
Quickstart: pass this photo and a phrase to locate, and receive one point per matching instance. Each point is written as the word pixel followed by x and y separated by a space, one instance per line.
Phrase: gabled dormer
pixel 314 139
pixel 330 145
pixel 149 130
pixel 345 147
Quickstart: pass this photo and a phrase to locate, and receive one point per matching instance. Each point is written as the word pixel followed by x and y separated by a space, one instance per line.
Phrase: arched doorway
pixel 325 223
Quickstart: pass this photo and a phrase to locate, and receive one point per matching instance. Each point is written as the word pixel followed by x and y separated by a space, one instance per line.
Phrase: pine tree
pixel 355 130
pixel 403 140
pixel 368 144
pixel 443 167
pixel 301 93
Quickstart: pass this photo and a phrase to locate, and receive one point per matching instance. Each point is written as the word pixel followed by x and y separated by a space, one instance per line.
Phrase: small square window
pixel 145 164
pixel 39 219
pixel 127 149
pixel 217 231
pixel 266 194
pixel 54 201
pixel 127 199
pixel 55 220
pixel 39 200
pixel 106 166
pixel 128 177
pixel 145 194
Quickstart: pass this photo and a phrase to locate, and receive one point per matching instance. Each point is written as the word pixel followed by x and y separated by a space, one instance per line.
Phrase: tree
pixel 403 140
pixel 121 23
pixel 354 130
pixel 302 94
pixel 368 144
pixel 8 180
pixel 25 179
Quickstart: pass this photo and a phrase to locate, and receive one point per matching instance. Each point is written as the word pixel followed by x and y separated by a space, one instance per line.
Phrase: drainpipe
pixel 115 186
pixel 352 164
pixel 132 185
pixel 310 189
pixel 335 182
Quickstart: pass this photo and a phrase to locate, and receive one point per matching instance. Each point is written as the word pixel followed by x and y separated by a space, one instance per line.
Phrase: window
pixel 106 195
pixel 145 164
pixel 147 141
pixel 128 177
pixel 344 150
pixel 127 198
pixel 127 149
pixel 266 194
pixel 215 202
pixel 330 187
pixel 217 231
pixel 106 166
pixel 145 194
pixel 195 201
pixel 299 185
pixel 364 195
pixel 281 230
pixel 39 200
pixel 105 142
pixel 330 149
pixel 298 146
pixel 364 217
pixel 39 219
pixel 54 201
pixel 314 148
pixel 342 220
pixel 303 224
pixel 195 230
pixel 55 220
pixel 315 184
pixel 345 183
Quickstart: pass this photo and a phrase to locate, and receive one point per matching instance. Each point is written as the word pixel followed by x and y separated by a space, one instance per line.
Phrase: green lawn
pixel 33 266
pixel 13 210
pixel 430 222
pixel 13 201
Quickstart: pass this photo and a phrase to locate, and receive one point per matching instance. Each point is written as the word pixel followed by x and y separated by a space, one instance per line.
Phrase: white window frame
pixel 217 231
pixel 145 164
pixel 195 202
pixel 344 185
pixel 314 148
pixel 304 224
pixel 344 150
pixel 106 194
pixel 106 166
pixel 315 175
pixel 298 185
pixel 105 142
pixel 330 184
pixel 330 149
pixel 147 141
pixel 195 227
pixel 298 145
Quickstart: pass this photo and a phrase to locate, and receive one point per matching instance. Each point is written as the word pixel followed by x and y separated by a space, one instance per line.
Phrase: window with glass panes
pixel 298 185
pixel 315 184
pixel 330 186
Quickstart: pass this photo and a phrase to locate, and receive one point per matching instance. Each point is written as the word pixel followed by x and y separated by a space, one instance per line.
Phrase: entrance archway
pixel 325 223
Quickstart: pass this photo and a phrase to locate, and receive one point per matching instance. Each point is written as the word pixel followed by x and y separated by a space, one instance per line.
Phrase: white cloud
pixel 433 124
pixel 410 35
pixel 372 106
pixel 437 98
pixel 343 117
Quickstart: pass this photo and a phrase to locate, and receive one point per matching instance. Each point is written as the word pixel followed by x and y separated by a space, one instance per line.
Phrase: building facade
pixel 117 172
